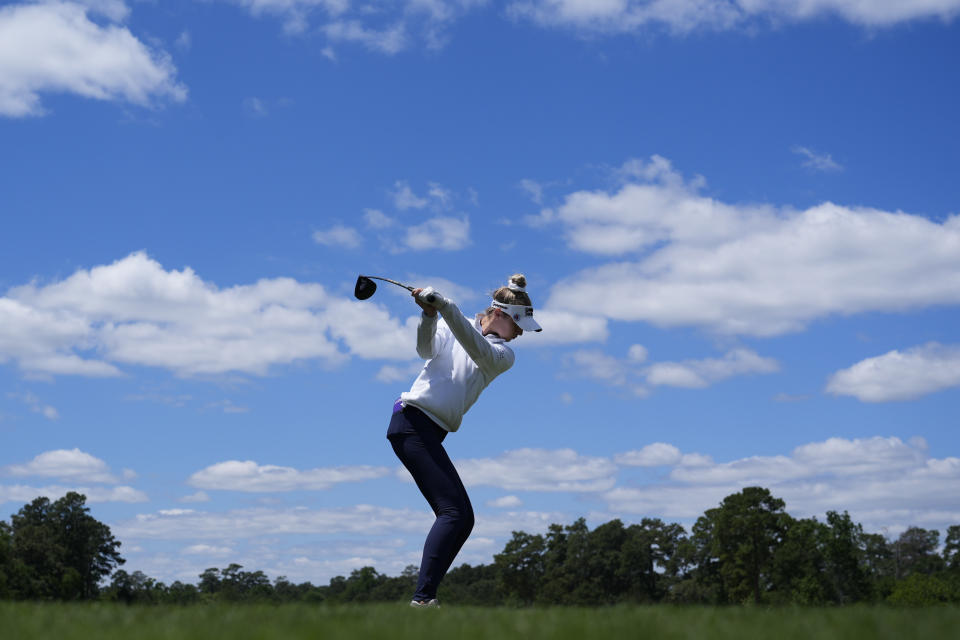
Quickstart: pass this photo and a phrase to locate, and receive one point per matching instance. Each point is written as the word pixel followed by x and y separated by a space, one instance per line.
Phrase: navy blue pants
pixel 417 441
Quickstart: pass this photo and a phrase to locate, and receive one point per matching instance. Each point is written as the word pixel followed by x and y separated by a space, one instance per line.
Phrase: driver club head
pixel 365 288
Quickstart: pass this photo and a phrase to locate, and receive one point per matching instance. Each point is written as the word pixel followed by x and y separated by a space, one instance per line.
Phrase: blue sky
pixel 738 220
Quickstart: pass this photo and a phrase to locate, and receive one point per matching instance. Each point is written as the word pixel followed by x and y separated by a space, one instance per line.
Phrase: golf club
pixel 366 287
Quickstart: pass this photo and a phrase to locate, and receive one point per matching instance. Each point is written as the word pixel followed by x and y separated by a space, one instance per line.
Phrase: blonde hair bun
pixel 519 280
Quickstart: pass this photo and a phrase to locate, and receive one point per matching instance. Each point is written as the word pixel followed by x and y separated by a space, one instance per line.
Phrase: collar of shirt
pixel 491 337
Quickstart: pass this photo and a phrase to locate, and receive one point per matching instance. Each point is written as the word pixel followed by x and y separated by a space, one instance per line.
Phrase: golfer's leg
pixel 461 531
pixel 437 479
pixel 451 528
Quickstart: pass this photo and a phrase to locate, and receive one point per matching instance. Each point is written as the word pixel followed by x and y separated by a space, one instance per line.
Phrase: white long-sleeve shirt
pixel 461 362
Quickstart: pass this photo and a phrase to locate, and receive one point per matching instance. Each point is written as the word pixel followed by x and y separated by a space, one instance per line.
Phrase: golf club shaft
pixel 428 298
pixel 399 284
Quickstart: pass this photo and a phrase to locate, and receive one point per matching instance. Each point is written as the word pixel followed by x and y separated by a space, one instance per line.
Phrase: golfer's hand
pixel 427 309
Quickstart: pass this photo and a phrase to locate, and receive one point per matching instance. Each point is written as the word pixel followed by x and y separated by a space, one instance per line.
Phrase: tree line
pixel 746 550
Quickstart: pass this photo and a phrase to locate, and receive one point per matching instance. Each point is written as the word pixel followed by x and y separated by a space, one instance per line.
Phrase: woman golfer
pixel 463 357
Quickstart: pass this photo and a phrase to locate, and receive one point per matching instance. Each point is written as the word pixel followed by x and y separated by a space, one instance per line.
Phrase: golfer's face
pixel 506 328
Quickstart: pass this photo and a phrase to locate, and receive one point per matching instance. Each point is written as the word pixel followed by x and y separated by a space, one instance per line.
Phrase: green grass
pixel 28 621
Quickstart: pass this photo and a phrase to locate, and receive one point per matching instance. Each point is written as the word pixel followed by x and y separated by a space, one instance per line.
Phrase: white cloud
pixel 533 189
pixel 897 375
pixel 390 373
pixel 135 312
pixel 235 475
pixel 377 219
pixel 206 550
pixel 539 470
pixel 505 502
pixel 32 401
pixel 355 521
pixel 199 496
pixel 256 108
pixel 389 40
pixel 23 493
pixel 451 290
pixel 404 198
pixel 184 41
pixel 634 371
pixel 870 455
pixel 307 544
pixel 750 270
pixel 657 454
pixel 682 16
pixel 591 363
pixel 445 230
pixel 43 340
pixel 258 7
pixel 248 523
pixel 438 197
pixel 65 464
pixel 441 196
pixel 387 28
pixel 54 47
pixel 637 353
pixel 755 470
pixel 370 332
pixel 116 10
pixel 445 233
pixel 564 327
pixel 702 373
pixel 673 502
pixel 339 236
pixel 819 162
pixel 50 413
pixel 881 481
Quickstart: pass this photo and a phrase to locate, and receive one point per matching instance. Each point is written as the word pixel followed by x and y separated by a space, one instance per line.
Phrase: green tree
pixel 180 593
pixel 401 587
pixel 135 588
pixel 286 591
pixel 916 552
pixel 701 582
pixel 520 567
pixel 573 563
pixel 210 583
pixel 584 564
pixel 879 564
pixel 799 571
pixel 232 584
pixel 650 559
pixel 336 587
pixel 750 525
pixel 361 584
pixel 605 582
pixel 63 552
pixel 951 548
pixel 236 585
pixel 557 583
pixel 6 561
pixel 922 590
pixel 474 585
pixel 846 562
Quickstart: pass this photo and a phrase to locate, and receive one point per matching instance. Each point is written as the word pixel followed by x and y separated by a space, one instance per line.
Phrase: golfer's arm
pixel 490 359
pixel 426 331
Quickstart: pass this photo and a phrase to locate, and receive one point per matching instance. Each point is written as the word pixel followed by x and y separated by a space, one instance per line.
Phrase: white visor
pixel 520 313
